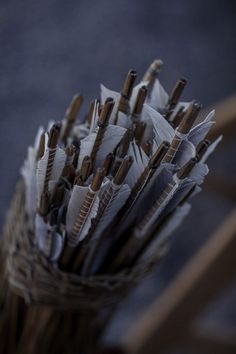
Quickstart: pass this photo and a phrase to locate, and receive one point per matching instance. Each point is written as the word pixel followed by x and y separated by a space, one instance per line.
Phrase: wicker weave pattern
pixel 32 276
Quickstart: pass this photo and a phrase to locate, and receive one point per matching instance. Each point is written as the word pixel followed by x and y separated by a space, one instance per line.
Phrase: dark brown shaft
pixel 202 148
pixel 70 116
pixel 124 144
pixel 138 107
pixel 86 207
pixel 110 192
pixel 129 84
pixel 44 204
pixel 52 146
pixel 70 152
pixel 58 194
pixel 183 129
pixel 178 117
pixel 107 198
pixel 175 96
pixel 146 175
pixel 90 112
pixel 102 127
pixel 123 170
pixel 177 92
pixel 85 169
pixel 126 92
pixel 186 196
pixel 68 175
pixel 108 163
pixel 77 152
pixel 66 256
pixel 139 132
pixel 187 168
pixel 144 230
pixel 122 149
pixel 189 118
pixel 147 147
pixel 145 226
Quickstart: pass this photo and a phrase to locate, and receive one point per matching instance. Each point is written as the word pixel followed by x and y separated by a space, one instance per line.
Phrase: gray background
pixel 52 49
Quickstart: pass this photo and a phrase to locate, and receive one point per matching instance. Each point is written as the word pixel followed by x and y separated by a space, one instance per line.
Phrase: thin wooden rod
pixel 206 276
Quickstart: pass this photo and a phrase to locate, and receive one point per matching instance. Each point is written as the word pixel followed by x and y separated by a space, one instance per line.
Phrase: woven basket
pixel 52 297
pixel 32 276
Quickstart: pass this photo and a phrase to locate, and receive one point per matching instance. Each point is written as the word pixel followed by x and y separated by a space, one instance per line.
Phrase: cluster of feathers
pixel 107 193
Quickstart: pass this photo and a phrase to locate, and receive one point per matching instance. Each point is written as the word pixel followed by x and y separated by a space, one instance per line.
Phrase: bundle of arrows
pixel 105 194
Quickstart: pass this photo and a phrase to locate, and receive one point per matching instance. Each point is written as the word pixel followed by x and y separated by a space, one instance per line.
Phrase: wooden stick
pixel 86 207
pixel 177 119
pixel 90 112
pixel 122 149
pixel 174 97
pixel 145 177
pixel 138 107
pixel 107 197
pixel 84 171
pixel 126 92
pixel 139 132
pixel 143 231
pixel 70 116
pixel 102 127
pixel 107 165
pixel 181 132
pixel 52 146
pixel 205 277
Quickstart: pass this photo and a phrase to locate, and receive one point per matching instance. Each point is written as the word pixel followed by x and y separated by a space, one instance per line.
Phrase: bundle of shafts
pixel 103 196
pixel 98 191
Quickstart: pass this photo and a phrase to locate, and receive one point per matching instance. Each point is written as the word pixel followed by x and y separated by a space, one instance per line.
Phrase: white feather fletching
pixel 198 173
pixel 95 117
pixel 86 146
pixel 76 200
pixel 105 93
pixel 124 120
pixel 162 129
pixel 159 97
pixel 57 245
pixel 58 165
pixel 88 222
pixel 28 174
pixel 134 94
pixel 112 209
pixel 138 165
pixel 37 138
pixel 199 132
pixel 185 152
pixel 112 137
pixel 185 105
pixel 41 232
pixel 80 131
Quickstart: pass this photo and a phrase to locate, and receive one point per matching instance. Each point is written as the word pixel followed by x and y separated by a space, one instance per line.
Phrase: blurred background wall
pixel 53 49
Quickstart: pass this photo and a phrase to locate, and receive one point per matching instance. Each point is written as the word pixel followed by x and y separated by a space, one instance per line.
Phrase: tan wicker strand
pixel 32 276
